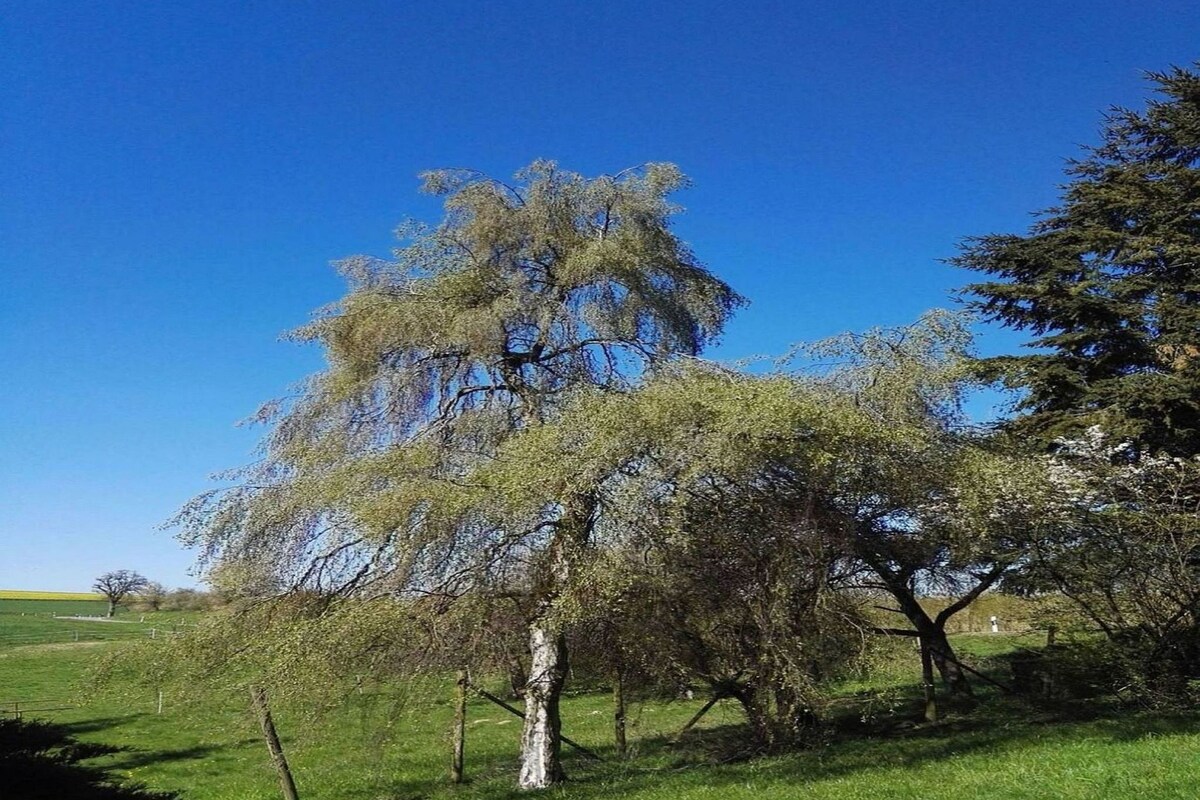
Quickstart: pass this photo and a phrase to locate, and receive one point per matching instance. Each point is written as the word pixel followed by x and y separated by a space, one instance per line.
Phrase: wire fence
pixel 17 709
pixel 73 635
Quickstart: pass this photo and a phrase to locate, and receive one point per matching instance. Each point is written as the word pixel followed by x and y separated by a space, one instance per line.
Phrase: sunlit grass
pixel 45 607
pixel 44 622
pixel 376 747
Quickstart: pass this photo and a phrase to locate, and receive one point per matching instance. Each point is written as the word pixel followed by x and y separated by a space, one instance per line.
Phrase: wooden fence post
pixel 927 685
pixel 459 734
pixel 619 711
pixel 258 696
pixel 712 701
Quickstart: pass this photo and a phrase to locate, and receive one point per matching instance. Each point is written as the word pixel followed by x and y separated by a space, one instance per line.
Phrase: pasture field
pixel 47 603
pixel 37 621
pixel 382 748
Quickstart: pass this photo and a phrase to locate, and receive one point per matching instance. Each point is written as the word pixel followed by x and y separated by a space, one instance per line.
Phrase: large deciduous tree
pixel 480 327
pixel 711 491
pixel 117 585
pixel 778 493
pixel 1109 284
pixel 932 509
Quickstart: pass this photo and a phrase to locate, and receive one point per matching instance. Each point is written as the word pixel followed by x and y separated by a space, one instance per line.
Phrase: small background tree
pixel 116 586
pixel 151 597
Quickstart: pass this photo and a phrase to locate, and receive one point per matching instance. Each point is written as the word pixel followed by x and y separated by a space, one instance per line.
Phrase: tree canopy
pixel 516 452
pixel 1109 284
pixel 478 327
pixel 481 327
pixel 117 585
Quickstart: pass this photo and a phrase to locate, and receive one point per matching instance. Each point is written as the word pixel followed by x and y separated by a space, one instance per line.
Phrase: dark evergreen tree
pixel 1108 283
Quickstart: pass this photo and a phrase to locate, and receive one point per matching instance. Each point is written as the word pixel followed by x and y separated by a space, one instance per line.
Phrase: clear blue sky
pixel 176 178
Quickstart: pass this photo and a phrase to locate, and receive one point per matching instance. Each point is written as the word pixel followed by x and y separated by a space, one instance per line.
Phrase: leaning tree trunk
pixel 112 607
pixel 933 638
pixel 761 728
pixel 931 630
pixel 932 635
pixel 541 739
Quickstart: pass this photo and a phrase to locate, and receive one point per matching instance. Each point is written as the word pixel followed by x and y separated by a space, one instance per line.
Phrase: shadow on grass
pixel 97 724
pixel 719 759
pixel 131 759
pixel 40 761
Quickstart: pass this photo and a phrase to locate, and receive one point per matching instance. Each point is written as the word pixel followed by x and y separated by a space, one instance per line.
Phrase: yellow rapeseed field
pixel 12 594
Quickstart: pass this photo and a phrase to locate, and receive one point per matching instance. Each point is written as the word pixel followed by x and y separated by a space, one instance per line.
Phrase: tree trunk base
pixel 541 739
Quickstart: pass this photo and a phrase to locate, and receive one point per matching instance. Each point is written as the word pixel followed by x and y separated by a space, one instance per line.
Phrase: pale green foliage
pixel 730 507
pixel 944 505
pixel 710 491
pixel 532 290
pixel 480 326
pixel 310 649
pixel 509 378
pixel 869 438
pixel 917 373
pixel 992 498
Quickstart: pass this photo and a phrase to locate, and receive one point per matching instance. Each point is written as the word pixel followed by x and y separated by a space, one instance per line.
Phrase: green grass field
pixel 376 749
pixel 50 606
pixel 40 621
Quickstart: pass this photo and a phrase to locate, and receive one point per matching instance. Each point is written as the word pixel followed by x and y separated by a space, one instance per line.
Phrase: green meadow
pixel 393 747
pixel 49 607
pixel 52 622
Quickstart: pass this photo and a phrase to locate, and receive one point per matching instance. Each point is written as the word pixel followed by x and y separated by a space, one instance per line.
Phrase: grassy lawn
pixel 48 607
pixel 35 622
pixel 393 748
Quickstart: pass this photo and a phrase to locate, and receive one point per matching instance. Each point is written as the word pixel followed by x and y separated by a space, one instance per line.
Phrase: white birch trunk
pixel 541 742
pixel 541 739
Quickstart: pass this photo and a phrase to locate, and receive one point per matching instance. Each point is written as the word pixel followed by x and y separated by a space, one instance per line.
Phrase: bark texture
pixel 933 637
pixel 930 630
pixel 541 739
